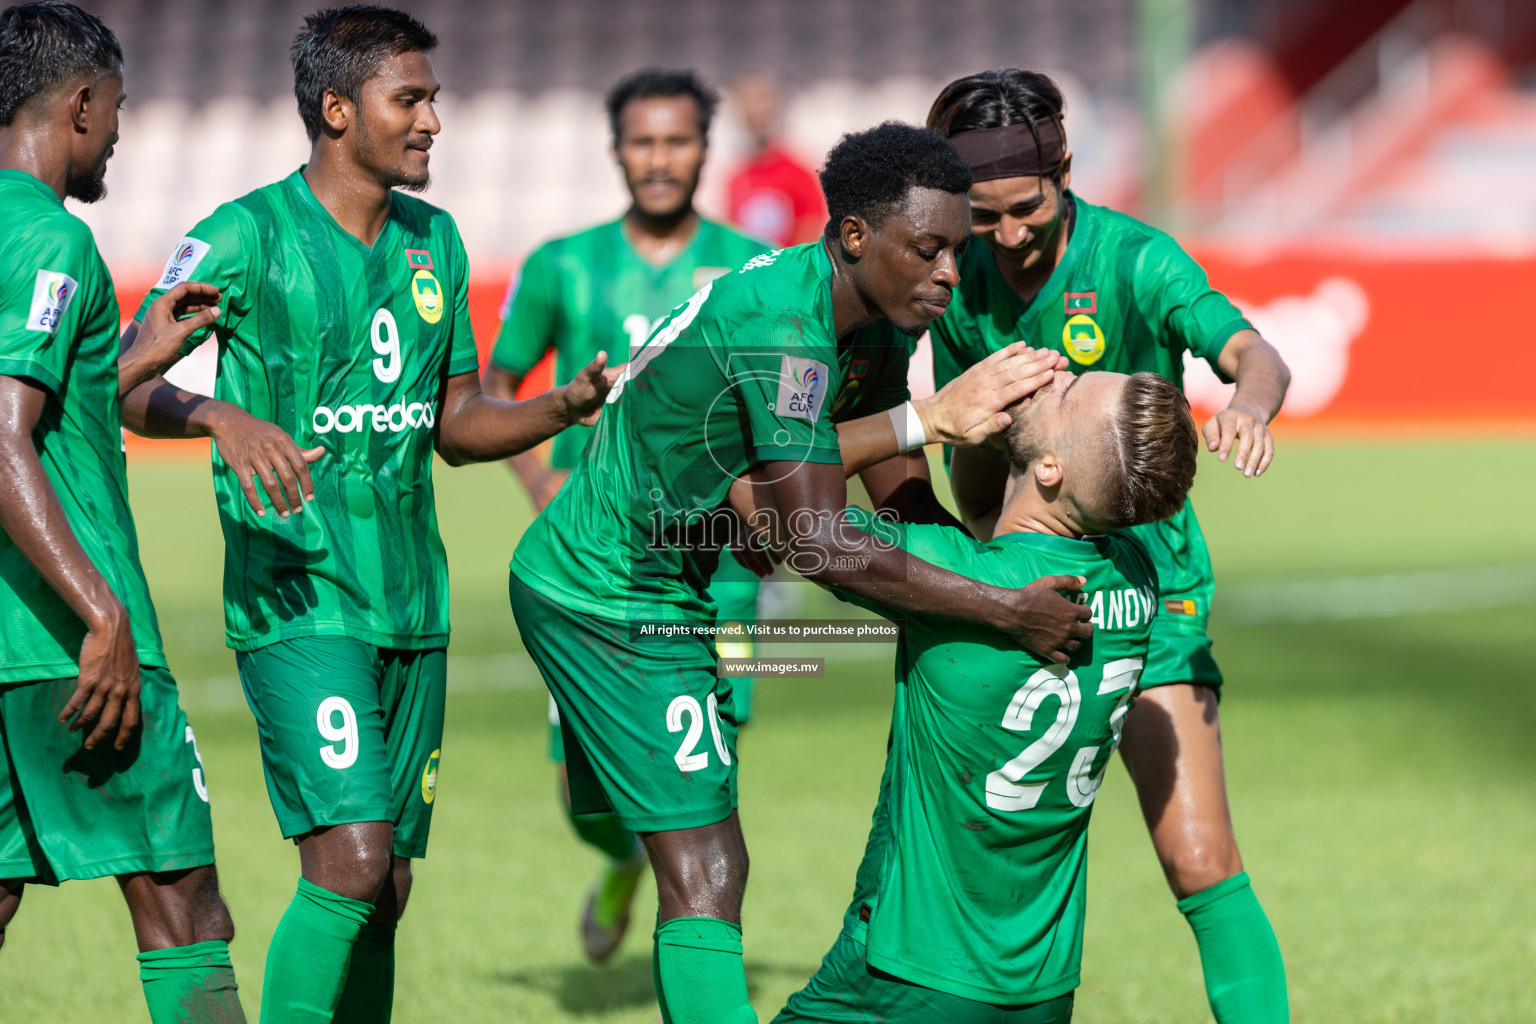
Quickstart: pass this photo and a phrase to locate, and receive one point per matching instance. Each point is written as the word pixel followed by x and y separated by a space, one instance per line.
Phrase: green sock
pixel 191 984
pixel 1244 972
pixel 702 980
pixel 307 961
pixel 605 833
pixel 369 996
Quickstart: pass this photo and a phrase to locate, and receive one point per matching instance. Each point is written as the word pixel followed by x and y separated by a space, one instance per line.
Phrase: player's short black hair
pixel 47 44
pixel 659 83
pixel 996 99
pixel 340 48
pixel 869 173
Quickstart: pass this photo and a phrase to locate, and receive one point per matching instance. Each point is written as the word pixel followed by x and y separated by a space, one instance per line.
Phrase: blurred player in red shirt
pixel 773 195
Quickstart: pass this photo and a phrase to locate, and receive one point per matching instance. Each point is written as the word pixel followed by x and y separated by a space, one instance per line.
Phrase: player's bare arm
pixel 106 699
pixel 1262 379
pixel 542 482
pixel 904 487
pixel 474 427
pixel 826 549
pixel 254 448
pixel 151 347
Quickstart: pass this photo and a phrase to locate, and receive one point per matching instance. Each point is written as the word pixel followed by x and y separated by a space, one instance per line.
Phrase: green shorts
pixel 734 590
pixel 349 732
pixel 1181 646
pixel 649 732
pixel 67 812
pixel 846 990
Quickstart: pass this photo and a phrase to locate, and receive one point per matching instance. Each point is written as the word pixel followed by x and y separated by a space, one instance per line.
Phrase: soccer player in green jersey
pixel 602 290
pixel 99 770
pixel 969 903
pixel 1113 293
pixel 345 326
pixel 757 369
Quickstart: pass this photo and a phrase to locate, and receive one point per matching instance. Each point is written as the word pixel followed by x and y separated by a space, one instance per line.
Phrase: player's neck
pixel 35 153
pixel 1029 509
pixel 660 240
pixel 850 311
pixel 353 198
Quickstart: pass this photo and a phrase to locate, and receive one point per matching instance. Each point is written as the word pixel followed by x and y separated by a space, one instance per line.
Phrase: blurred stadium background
pixel 1358 175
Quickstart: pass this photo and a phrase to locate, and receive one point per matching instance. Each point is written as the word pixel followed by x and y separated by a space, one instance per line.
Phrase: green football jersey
pixel 1124 298
pixel 974 881
pixel 346 347
pixel 59 327
pixel 592 292
pixel 747 371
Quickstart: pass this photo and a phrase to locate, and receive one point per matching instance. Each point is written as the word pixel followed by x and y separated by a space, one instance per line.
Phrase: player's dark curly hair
pixel 868 174
pixel 340 48
pixel 43 45
pixel 996 99
pixel 659 83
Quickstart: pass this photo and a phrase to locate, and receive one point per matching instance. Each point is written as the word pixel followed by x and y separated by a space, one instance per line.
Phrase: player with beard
pixel 602 290
pixel 99 771
pixel 969 904
pixel 1112 293
pixel 756 369
pixel 346 326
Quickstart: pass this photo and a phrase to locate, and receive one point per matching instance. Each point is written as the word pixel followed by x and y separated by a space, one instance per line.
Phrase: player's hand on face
pixel 585 394
pixel 1242 434
pixel 1047 623
pixel 257 450
pixel 970 409
pixel 172 318
pixel 106 697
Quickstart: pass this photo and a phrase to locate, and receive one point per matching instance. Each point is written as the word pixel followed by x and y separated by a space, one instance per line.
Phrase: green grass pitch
pixel 1381 771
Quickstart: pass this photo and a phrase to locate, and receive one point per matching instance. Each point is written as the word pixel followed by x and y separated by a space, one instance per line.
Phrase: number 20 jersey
pixel 974 881
pixel 345 347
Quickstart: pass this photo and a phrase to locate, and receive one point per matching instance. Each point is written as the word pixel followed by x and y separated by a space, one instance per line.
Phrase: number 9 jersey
pixel 345 347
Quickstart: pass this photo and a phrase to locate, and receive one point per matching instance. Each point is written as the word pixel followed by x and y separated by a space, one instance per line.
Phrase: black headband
pixel 1013 151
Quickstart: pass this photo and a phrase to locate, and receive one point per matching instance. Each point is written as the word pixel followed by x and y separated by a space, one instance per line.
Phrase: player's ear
pixel 853 233
pixel 80 102
pixel 335 111
pixel 1049 471
pixel 1066 171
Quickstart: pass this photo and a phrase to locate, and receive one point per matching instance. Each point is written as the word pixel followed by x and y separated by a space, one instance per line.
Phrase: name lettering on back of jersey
pixel 761 260
pixel 802 388
pixel 189 252
pixel 51 296
pixel 1120 609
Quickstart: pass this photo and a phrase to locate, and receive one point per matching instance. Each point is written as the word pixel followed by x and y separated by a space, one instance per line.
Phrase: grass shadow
pixel 582 990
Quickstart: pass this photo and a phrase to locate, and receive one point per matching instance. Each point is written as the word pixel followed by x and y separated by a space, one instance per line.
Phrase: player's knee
pixel 1201 863
pixel 401 878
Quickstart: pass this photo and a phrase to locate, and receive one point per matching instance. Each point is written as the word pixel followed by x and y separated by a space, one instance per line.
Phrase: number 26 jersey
pixel 345 347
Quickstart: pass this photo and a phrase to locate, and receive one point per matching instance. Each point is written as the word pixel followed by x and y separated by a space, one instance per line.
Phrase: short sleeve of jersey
pixel 223 250
pixel 1173 293
pixel 529 327
pixel 783 377
pixel 463 356
pixel 38 307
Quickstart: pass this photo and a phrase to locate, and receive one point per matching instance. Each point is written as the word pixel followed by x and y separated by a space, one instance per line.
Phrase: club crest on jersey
pixel 428 295
pixel 802 388
pixel 189 252
pixel 429 777
pixel 51 296
pixel 1082 339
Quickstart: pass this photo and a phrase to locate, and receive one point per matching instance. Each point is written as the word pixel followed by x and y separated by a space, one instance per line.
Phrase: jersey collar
pixel 307 196
pixel 22 177
pixel 1081 547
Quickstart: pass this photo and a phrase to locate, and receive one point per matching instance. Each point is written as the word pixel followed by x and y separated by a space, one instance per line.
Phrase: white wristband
pixel 909 428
